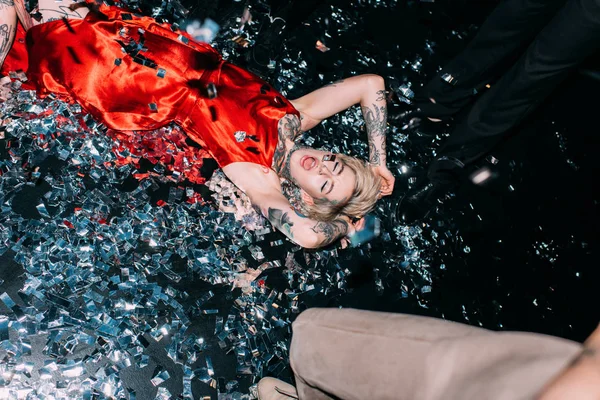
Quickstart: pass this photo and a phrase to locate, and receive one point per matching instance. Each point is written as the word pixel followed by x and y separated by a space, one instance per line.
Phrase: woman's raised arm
pixel 300 229
pixel 367 90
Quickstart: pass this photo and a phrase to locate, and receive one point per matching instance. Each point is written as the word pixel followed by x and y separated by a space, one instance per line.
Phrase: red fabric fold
pixel 17 58
pixel 134 74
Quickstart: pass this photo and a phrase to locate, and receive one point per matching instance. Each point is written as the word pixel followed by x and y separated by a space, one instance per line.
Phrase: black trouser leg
pixel 571 36
pixel 511 26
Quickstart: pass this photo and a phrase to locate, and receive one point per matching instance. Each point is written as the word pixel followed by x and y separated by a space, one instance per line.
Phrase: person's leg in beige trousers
pixel 352 354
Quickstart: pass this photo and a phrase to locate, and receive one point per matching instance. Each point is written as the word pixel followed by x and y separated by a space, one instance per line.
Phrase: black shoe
pixel 430 190
pixel 430 129
pixel 420 201
pixel 439 111
pixel 442 98
pixel 416 120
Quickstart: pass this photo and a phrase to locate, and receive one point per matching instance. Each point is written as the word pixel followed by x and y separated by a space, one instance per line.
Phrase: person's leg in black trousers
pixel 570 37
pixel 504 34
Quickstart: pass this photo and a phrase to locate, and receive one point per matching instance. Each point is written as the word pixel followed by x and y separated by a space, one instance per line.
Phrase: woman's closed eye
pixel 327 187
pixel 337 170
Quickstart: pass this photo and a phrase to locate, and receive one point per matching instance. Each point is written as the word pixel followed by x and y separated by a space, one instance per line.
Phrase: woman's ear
pixel 307 198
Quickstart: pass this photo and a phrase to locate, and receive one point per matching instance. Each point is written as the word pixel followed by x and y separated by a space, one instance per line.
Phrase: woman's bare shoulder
pixel 252 178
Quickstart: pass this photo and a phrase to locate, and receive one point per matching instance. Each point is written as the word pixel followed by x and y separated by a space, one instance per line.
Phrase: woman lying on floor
pixel 132 73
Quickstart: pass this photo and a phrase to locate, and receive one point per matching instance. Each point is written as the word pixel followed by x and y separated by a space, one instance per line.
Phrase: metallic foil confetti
pixel 201 31
pixel 163 394
pixel 449 78
pixel 104 268
pixel 3 329
pixel 240 136
pixel 211 89
pixel 492 160
pixel 321 46
pixel 159 378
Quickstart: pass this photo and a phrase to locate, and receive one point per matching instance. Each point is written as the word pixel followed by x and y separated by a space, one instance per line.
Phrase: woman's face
pixel 321 175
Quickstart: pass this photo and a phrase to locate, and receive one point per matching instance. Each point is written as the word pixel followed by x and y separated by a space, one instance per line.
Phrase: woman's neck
pixel 284 170
pixel 288 131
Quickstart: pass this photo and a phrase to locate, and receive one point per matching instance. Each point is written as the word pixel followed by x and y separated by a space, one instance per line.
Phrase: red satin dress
pixel 132 74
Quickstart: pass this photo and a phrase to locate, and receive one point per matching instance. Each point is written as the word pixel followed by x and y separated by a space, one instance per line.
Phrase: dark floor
pixel 517 254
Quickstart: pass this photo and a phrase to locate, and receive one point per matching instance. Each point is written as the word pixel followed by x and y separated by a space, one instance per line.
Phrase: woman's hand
pixel 387 183
pixel 352 228
pixel 581 379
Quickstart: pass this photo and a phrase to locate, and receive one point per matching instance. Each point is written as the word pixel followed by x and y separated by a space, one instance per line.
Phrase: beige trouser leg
pixel 354 354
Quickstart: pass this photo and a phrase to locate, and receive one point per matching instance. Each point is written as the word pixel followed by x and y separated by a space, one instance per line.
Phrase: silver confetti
pixel 240 136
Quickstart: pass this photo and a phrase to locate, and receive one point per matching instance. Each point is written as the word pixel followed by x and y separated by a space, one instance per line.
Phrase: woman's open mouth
pixel 308 162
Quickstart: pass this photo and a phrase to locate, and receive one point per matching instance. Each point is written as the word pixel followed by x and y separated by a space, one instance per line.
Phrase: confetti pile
pixel 130 249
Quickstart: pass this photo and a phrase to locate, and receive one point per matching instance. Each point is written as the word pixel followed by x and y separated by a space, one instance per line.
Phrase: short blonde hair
pixel 366 193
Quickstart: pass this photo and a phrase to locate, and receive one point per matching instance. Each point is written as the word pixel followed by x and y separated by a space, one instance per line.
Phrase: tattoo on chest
pixel 8 3
pixel 288 130
pixel 285 170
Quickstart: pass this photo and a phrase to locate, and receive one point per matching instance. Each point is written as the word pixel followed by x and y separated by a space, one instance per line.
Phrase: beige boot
pixel 274 389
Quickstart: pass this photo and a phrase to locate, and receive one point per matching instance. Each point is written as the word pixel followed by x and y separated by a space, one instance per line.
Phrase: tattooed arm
pixel 368 91
pixel 264 190
pixel 8 27
pixel 302 230
pixel 374 109
pixel 329 232
pixel 338 96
